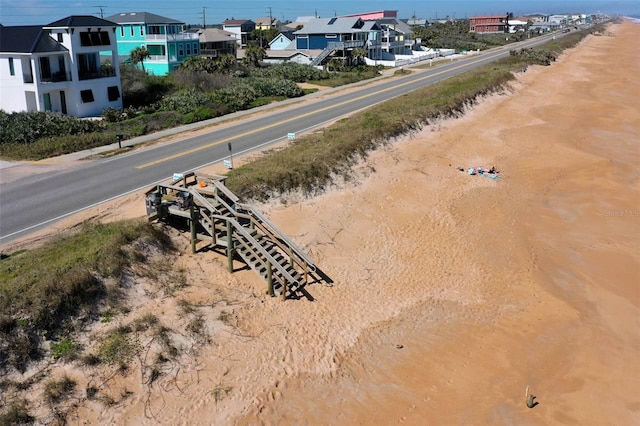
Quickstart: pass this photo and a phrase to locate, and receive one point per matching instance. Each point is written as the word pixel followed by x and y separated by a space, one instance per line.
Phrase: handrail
pixel 237 227
pixel 233 197
pixel 281 234
pixel 257 245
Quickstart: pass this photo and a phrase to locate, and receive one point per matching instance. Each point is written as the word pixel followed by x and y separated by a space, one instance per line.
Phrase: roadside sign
pixel 291 136
pixel 227 164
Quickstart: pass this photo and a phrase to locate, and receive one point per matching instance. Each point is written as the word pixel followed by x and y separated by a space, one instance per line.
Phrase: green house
pixel 167 44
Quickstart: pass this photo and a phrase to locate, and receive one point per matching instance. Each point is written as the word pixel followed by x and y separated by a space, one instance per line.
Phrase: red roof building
pixel 489 24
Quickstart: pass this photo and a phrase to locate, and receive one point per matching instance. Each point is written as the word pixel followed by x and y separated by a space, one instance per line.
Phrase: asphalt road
pixel 33 202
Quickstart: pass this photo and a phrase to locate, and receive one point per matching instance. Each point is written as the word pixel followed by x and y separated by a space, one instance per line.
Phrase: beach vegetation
pixel 45 292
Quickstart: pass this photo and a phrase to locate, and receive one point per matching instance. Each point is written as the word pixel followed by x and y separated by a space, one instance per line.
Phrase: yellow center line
pixel 280 123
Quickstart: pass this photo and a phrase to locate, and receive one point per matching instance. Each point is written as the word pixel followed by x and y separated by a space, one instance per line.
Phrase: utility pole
pixel 270 16
pixel 204 18
pixel 101 11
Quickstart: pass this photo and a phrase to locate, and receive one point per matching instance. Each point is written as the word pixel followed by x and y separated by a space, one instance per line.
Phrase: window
pixel 12 69
pixel 195 48
pixel 188 49
pixel 141 30
pixel 59 37
pixel 180 51
pixel 113 93
pixel 86 96
pixel 94 39
pixel 132 31
pixel 47 101
pixel 45 68
pixel 88 66
pixel 121 31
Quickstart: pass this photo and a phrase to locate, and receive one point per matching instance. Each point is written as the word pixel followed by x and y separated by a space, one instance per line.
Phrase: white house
pixel 68 66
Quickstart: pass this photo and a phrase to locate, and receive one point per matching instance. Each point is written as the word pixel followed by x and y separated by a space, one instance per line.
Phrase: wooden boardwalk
pixel 217 219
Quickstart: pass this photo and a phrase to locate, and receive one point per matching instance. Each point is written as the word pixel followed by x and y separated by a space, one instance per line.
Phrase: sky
pixel 197 12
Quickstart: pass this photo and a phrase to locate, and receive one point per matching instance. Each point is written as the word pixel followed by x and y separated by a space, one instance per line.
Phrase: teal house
pixel 167 44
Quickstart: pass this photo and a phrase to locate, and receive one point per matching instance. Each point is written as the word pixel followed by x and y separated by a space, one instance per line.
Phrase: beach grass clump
pixel 56 390
pixel 44 291
pixel 16 413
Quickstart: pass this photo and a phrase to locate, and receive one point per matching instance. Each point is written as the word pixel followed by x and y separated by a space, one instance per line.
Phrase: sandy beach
pixel 452 292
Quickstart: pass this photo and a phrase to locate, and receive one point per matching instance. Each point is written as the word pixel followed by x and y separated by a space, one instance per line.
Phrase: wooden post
pixel 193 228
pixel 229 246
pixel 270 280
pixel 284 290
pixel 213 230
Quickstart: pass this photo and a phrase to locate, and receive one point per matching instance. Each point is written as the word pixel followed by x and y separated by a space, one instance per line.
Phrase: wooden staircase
pixel 217 218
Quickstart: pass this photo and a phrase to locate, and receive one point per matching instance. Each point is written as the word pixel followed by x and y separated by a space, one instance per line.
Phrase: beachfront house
pixel 68 66
pixel 284 40
pixel 241 29
pixel 215 42
pixel 164 39
pixel 267 23
pixel 337 37
pixel 489 24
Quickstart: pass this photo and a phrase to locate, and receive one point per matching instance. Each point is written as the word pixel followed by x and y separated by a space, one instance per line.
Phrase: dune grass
pixel 42 289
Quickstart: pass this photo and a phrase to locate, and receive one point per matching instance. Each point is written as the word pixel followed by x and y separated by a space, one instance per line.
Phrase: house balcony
pixel 172 37
pixel 157 58
pixel 90 75
pixel 349 44
pixel 211 53
pixel 57 77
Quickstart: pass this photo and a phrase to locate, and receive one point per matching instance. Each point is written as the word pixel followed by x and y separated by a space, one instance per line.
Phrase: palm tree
pixel 253 54
pixel 139 54
pixel 357 54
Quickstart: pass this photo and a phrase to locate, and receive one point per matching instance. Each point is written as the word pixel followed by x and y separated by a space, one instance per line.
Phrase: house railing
pixel 103 73
pixel 172 37
pixel 56 77
pixel 158 58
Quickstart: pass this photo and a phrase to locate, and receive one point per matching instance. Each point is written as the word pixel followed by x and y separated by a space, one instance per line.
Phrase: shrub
pixel 235 98
pixel 28 127
pixel 184 101
pixel 276 87
pixel 292 71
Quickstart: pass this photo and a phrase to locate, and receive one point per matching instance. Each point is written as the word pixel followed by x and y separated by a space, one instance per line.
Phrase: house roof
pixel 79 21
pixel 286 35
pixel 210 35
pixel 141 18
pixel 266 21
pixel 27 39
pixel 338 25
pixel 399 25
pixel 238 22
pixel 489 16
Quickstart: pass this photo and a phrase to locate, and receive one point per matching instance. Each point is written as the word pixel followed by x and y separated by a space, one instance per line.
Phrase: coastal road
pixel 32 202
